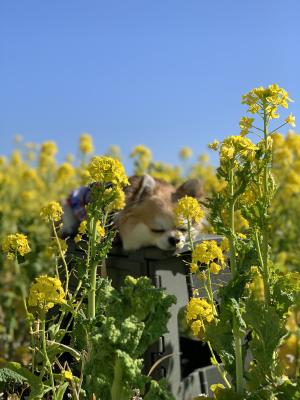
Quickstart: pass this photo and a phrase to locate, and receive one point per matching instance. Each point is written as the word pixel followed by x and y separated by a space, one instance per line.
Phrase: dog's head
pixel 148 218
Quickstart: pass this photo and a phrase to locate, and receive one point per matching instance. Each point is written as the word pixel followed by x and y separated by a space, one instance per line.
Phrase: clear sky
pixel 164 73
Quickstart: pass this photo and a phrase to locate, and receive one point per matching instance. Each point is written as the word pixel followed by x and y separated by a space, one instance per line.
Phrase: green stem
pixel 210 293
pixel 239 368
pixel 62 257
pixel 93 272
pixel 264 268
pixel 190 235
pixel 117 389
pixel 265 234
pixel 232 225
pixel 220 370
pixel 48 364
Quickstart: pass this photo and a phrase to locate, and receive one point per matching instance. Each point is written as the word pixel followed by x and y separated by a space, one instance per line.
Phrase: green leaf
pixel 9 376
pixel 267 331
pixel 61 391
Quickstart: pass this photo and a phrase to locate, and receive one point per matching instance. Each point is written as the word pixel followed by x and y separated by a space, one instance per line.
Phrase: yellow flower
pixel 65 171
pixel 214 145
pixel 198 312
pixel 245 125
pixel 107 170
pixel 67 375
pixel 114 151
pixel 194 268
pixel 256 285
pixel 16 158
pixel 224 245
pixel 143 157
pixel 227 152
pixel 217 388
pixel 185 153
pixel 188 209
pixel 115 197
pixel 214 268
pixel 269 98
pixel 15 243
pixel 82 227
pixel 49 148
pixel 207 252
pixel 86 143
pixel 238 146
pixel 291 120
pixel 141 151
pixel 28 195
pixel 45 292
pixel 51 211
pixel 99 229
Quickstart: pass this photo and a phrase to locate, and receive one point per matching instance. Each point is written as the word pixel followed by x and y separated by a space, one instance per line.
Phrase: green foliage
pixel 126 323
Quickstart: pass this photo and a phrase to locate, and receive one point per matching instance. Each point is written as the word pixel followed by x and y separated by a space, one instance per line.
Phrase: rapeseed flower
pixel 65 172
pixel 51 211
pixel 188 209
pixel 209 253
pixel 245 125
pixel 238 146
pixel 15 244
pixel 86 143
pixel 143 157
pixel 198 313
pixel 266 99
pixel 291 120
pixel 185 153
pixel 116 198
pixel 107 170
pixel 45 292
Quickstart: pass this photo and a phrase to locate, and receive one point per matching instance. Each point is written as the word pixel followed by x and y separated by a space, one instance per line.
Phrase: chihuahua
pixel 148 217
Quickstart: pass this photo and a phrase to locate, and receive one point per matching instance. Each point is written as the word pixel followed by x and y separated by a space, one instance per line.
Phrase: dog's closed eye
pixel 158 230
pixel 183 230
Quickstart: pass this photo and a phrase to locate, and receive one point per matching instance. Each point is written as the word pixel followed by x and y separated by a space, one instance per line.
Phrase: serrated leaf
pixel 267 330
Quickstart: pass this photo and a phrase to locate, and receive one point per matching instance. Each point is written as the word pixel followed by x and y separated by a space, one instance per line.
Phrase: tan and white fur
pixel 148 218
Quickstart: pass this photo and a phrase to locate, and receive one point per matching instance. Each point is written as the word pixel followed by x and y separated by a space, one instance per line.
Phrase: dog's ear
pixel 139 188
pixel 192 188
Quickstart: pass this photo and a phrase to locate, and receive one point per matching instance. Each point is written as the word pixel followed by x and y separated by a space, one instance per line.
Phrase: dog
pixel 148 218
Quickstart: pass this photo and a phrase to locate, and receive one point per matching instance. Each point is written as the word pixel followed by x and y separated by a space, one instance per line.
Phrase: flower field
pixel 87 341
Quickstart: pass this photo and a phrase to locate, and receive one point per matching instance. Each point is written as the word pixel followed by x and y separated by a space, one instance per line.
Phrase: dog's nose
pixel 173 240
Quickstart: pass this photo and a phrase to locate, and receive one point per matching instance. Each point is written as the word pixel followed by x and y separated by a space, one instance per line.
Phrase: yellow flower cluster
pixel 245 125
pixel 198 313
pixel 256 286
pixel 268 99
pixel 86 143
pixel 237 146
pixel 82 230
pixel 46 156
pixel 188 209
pixel 15 244
pixel 107 170
pixel 65 172
pixel 116 197
pixel 209 253
pixel 185 153
pixel 143 157
pixel 51 211
pixel 45 292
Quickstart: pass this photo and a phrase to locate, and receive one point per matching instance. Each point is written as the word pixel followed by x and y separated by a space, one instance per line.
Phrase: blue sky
pixel 163 73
